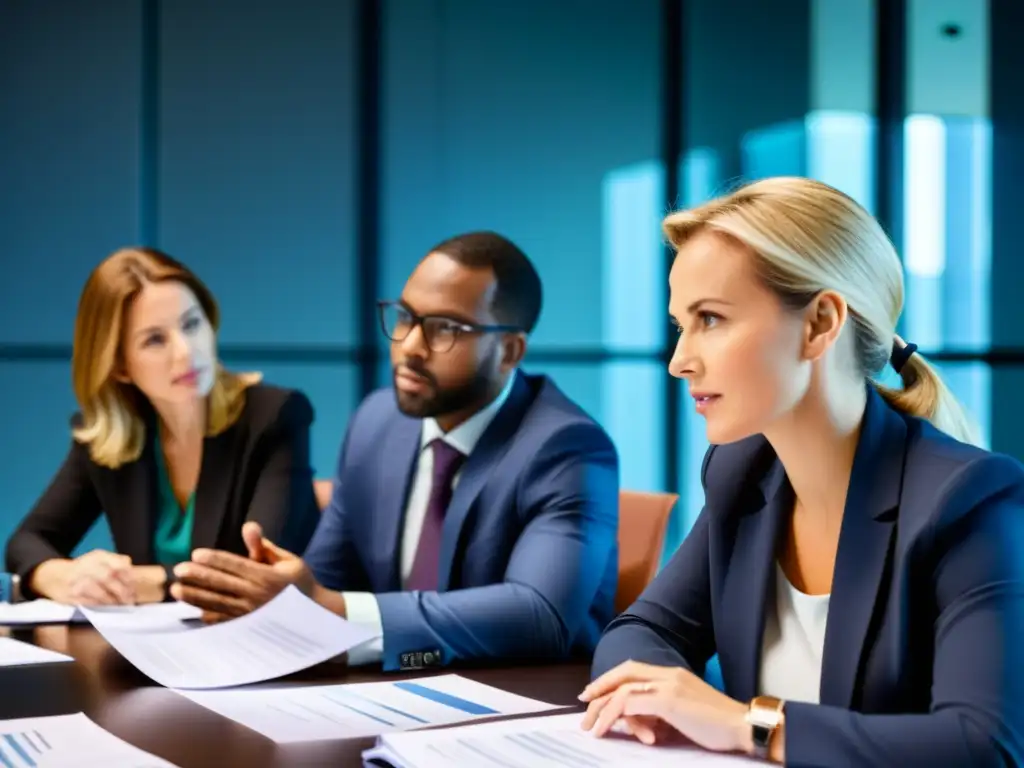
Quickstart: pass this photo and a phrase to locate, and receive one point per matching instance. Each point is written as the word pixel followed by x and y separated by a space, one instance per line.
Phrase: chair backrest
pixel 643 519
pixel 323 489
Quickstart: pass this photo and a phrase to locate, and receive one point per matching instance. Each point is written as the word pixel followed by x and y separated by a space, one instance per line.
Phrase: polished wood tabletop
pixel 131 706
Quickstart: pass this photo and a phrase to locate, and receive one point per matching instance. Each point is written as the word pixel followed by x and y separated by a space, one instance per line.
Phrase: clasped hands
pixel 225 586
pixel 662 704
pixel 97 578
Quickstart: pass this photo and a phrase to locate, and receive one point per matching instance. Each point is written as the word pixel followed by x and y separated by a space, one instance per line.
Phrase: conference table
pixel 118 697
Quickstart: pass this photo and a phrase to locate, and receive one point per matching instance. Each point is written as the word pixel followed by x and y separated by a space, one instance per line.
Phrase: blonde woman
pixel 177 451
pixel 857 564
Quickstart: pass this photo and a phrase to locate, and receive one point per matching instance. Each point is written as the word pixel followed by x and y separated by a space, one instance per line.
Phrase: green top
pixel 172 543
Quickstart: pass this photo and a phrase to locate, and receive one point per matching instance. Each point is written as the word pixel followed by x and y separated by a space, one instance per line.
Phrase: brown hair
pixel 112 424
pixel 809 237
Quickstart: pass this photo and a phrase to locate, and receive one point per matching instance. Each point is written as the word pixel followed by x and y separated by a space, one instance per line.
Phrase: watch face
pixel 761 734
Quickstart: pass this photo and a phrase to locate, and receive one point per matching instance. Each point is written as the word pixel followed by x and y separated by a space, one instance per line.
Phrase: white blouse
pixel 794 638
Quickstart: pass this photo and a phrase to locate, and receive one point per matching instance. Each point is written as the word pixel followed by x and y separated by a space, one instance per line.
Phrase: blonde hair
pixel 809 237
pixel 112 422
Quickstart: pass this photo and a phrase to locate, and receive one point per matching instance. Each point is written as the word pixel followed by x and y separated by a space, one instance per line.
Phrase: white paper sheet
pixel 14 653
pixel 49 612
pixel 537 742
pixel 37 612
pixel 311 713
pixel 68 741
pixel 146 618
pixel 288 634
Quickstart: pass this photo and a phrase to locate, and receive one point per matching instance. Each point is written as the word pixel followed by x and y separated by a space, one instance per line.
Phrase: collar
pixel 465 436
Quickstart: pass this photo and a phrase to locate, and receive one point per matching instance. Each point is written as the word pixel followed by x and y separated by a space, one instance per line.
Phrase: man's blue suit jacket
pixel 529 555
pixel 923 662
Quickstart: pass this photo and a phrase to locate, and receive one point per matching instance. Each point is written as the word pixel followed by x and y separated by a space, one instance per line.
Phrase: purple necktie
pixel 447 461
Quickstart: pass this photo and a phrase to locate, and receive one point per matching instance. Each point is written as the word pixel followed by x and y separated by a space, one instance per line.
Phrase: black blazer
pixel 923 662
pixel 258 469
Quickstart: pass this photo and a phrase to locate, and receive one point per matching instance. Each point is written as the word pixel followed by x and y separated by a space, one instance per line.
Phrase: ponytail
pixel 926 396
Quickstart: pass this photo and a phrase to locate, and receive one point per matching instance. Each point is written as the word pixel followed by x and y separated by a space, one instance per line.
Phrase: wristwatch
pixel 169 579
pixel 10 588
pixel 764 717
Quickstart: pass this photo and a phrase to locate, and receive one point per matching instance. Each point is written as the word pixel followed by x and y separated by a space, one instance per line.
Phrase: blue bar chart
pixel 21 750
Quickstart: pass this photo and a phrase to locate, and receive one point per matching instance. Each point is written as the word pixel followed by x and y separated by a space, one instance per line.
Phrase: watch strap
pixel 169 579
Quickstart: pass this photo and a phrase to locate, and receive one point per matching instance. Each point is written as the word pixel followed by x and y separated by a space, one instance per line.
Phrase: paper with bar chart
pixel 288 634
pixel 68 741
pixel 319 712
pixel 538 742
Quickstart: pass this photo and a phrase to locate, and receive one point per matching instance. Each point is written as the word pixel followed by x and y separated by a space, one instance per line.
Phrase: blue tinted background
pixel 228 134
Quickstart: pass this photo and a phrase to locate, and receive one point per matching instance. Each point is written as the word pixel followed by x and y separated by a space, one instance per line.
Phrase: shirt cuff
pixel 362 608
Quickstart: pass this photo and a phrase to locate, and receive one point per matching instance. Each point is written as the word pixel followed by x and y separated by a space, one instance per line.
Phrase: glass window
pixel 256 174
pixel 68 156
pixel 540 122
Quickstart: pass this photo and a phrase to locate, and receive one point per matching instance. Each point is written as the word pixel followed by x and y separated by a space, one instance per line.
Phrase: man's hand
pixel 225 586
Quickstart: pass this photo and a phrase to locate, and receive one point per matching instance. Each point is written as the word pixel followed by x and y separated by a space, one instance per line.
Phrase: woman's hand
pixel 96 578
pixel 646 698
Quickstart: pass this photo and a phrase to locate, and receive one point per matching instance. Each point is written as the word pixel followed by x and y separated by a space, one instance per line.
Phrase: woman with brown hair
pixel 177 451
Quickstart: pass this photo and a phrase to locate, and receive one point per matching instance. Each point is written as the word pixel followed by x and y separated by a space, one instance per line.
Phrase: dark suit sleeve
pixel 553 575
pixel 977 679
pixel 283 502
pixel 332 554
pixel 670 624
pixel 59 520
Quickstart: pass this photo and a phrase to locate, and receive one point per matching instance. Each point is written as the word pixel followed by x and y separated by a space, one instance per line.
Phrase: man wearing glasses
pixel 475 507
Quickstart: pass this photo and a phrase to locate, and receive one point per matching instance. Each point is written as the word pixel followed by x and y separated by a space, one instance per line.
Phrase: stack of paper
pixel 535 742
pixel 288 634
pixel 48 612
pixel 38 612
pixel 311 713
pixel 14 653
pixel 155 617
pixel 70 741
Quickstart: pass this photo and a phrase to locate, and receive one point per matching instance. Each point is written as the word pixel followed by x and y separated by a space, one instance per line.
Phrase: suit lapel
pixel 750 581
pixel 400 454
pixel 865 540
pixel 215 472
pixel 138 519
pixel 478 468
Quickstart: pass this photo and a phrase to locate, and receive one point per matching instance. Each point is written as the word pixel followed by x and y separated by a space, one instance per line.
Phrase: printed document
pixel 537 742
pixel 288 634
pixel 320 712
pixel 68 741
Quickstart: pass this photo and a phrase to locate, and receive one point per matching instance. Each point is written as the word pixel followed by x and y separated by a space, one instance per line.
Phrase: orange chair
pixel 323 489
pixel 643 519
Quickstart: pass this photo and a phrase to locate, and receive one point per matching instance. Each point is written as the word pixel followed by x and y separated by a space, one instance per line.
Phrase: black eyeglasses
pixel 441 333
